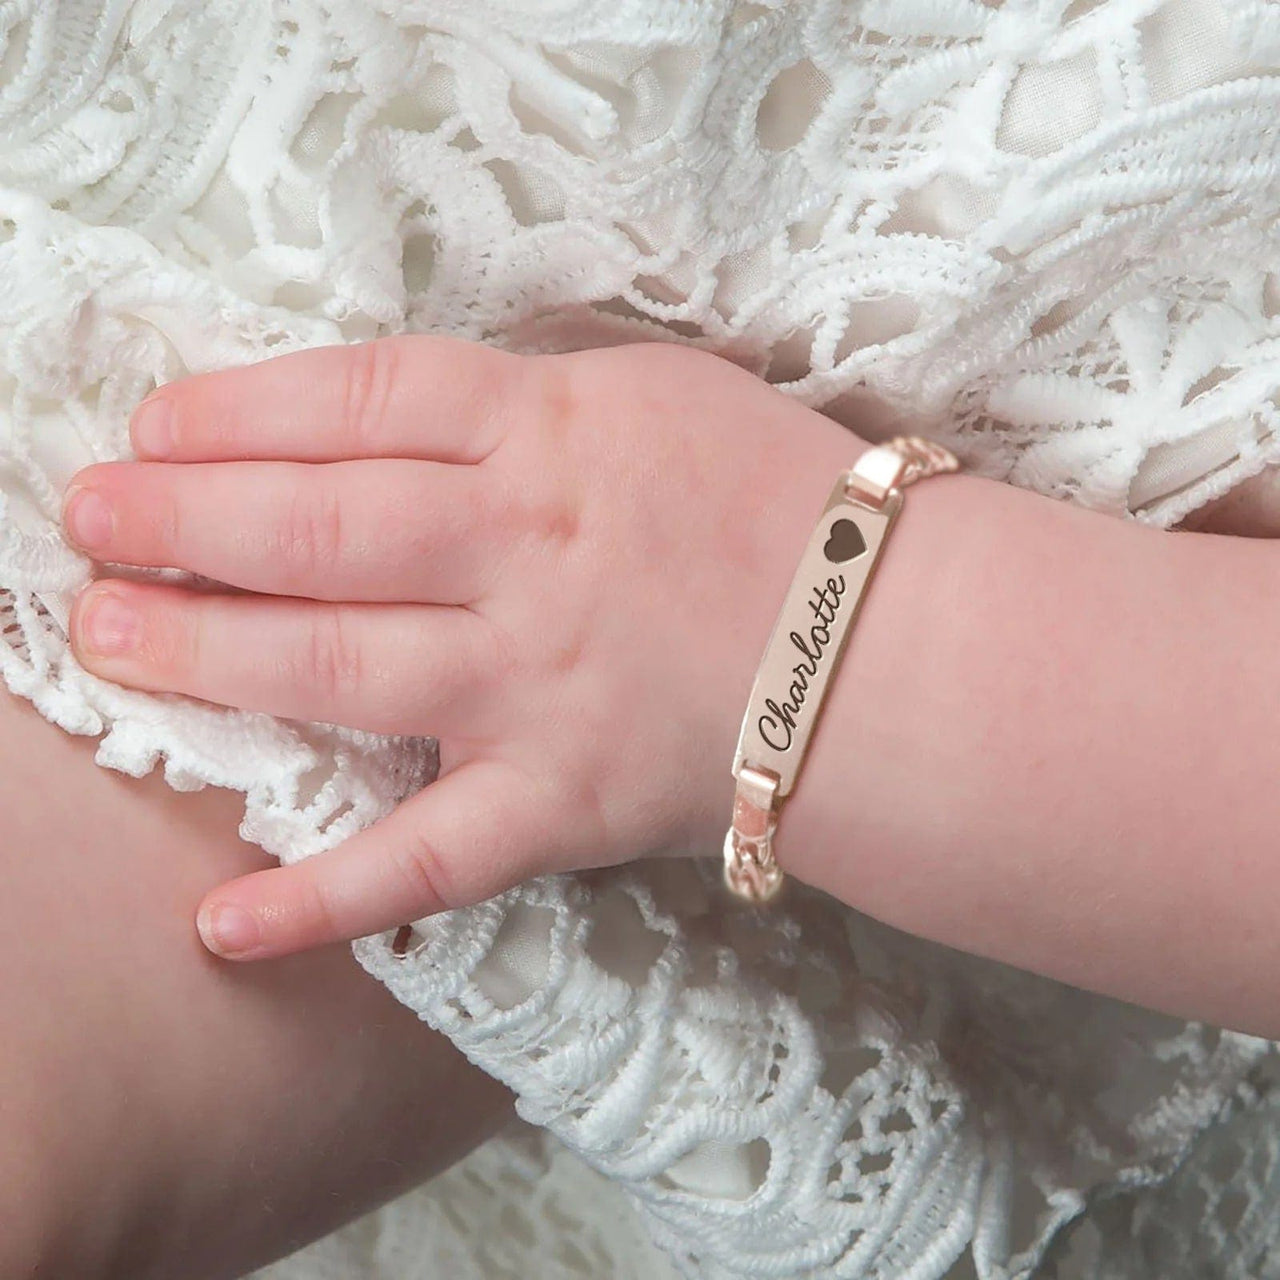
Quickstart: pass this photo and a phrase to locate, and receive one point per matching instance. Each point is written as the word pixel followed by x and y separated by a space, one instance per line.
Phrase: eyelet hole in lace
pixel 790 105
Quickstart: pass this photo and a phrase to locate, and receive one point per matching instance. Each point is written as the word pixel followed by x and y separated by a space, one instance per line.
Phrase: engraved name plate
pixel 810 633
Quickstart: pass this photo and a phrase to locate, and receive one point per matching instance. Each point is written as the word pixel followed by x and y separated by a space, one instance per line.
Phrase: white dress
pixel 1042 231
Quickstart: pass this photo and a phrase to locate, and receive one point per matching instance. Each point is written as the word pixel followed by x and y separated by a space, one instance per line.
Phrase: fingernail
pixel 228 930
pixel 152 428
pixel 109 624
pixel 87 517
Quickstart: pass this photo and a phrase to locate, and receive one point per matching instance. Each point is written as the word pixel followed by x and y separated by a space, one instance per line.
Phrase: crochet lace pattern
pixel 1044 232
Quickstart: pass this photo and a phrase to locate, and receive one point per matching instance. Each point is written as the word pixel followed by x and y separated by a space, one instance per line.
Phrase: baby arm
pixel 1053 742
pixel 1044 744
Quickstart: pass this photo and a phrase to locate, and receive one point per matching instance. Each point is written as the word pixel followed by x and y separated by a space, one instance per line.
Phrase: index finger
pixel 418 396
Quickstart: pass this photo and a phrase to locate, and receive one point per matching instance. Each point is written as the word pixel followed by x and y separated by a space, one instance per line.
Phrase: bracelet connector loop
pixel 750 869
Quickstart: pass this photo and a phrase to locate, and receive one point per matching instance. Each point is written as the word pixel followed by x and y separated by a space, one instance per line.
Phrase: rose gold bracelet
pixel 805 647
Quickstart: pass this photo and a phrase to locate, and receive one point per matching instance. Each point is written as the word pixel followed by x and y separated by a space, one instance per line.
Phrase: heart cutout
pixel 845 543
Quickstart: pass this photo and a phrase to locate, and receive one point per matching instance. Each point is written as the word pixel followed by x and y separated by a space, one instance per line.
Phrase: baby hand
pixel 564 567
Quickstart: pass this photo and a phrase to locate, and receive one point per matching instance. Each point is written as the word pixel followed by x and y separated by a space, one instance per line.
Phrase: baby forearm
pixel 1054 741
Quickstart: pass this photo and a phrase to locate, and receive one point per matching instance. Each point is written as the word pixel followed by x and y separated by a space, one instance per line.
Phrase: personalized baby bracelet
pixel 805 647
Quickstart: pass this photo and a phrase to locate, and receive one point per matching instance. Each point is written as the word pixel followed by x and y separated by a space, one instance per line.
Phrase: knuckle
pixel 577 792
pixel 172 644
pixel 188 647
pixel 567 653
pixel 418 861
pixel 505 385
pixel 330 661
pixel 553 519
pixel 150 513
pixel 370 374
pixel 562 649
pixel 552 512
pixel 167 515
pixel 546 504
pixel 312 531
pixel 549 386
pixel 317 910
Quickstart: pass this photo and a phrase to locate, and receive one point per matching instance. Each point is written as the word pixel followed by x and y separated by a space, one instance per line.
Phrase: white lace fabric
pixel 1044 232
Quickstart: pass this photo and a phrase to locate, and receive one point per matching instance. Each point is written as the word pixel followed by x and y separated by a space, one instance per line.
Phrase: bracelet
pixel 815 620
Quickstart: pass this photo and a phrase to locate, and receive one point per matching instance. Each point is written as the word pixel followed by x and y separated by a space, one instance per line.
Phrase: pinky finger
pixel 477 831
